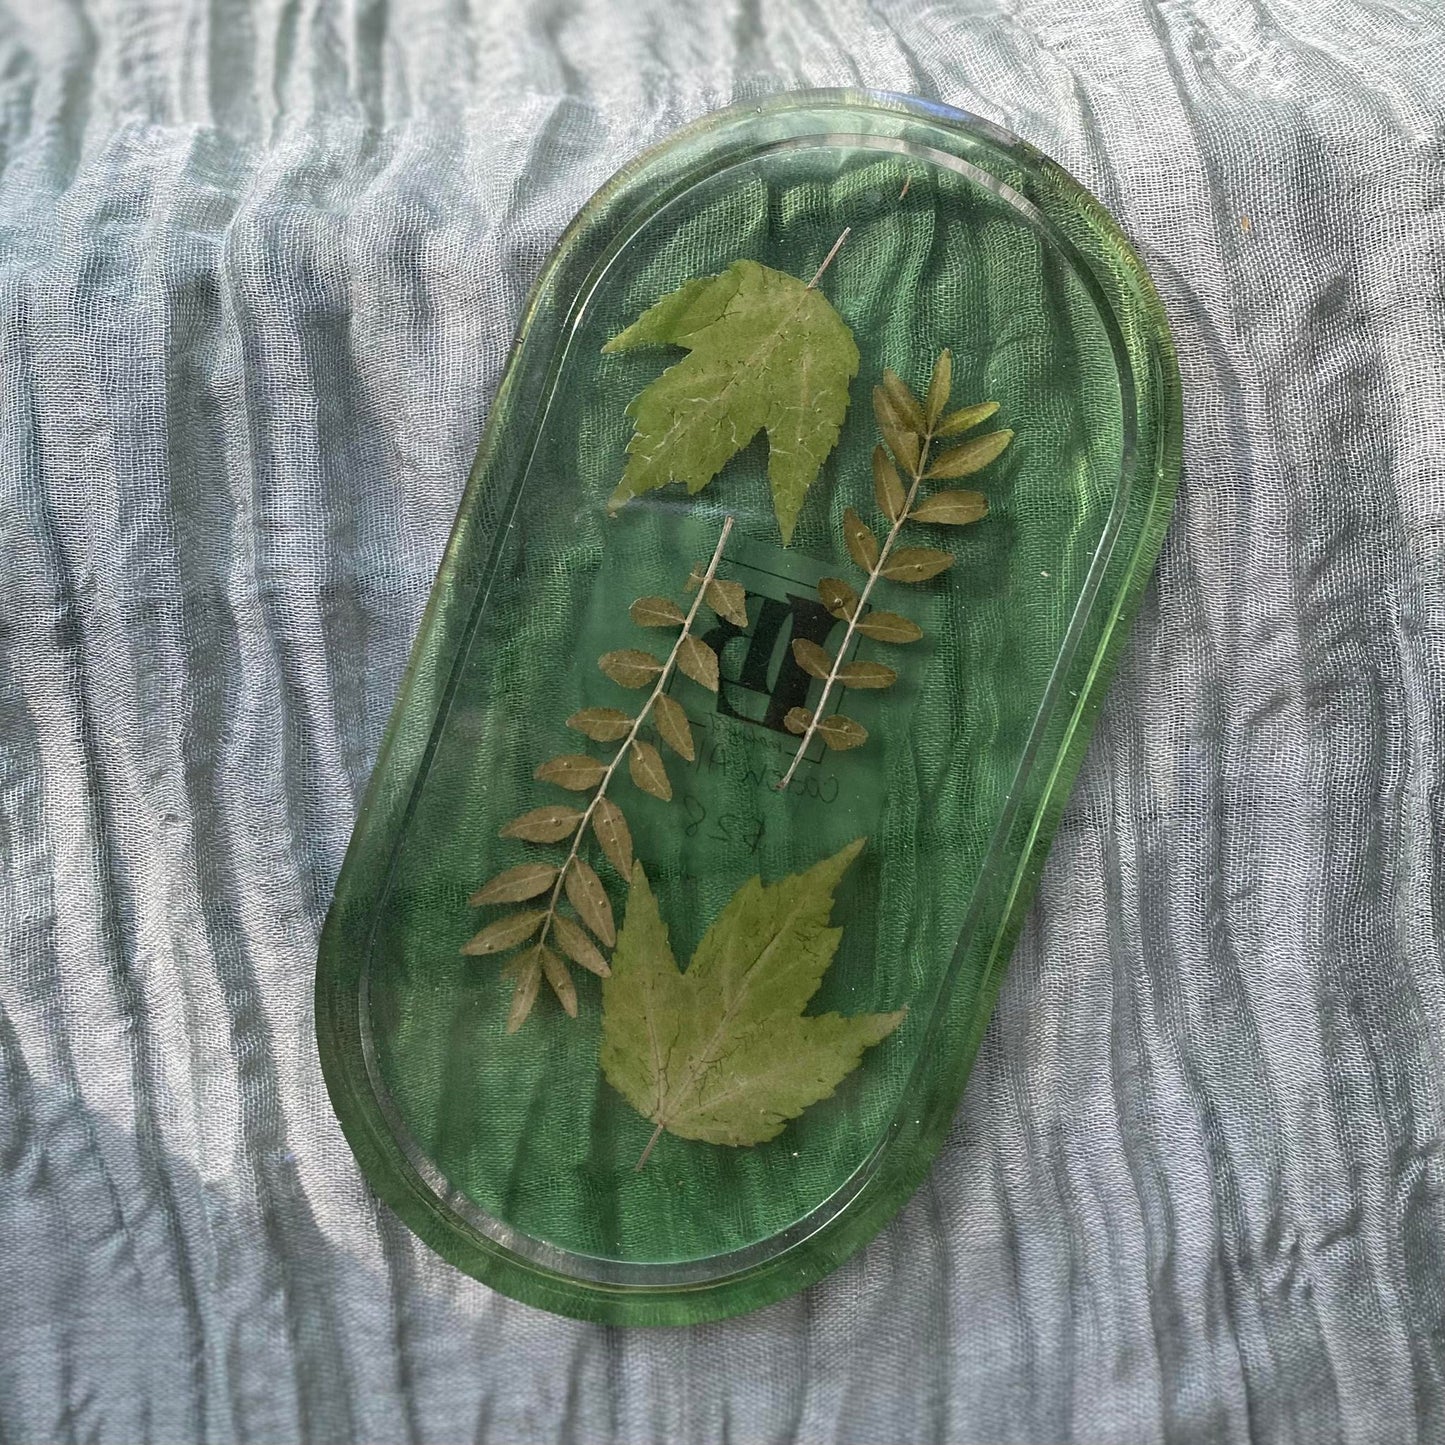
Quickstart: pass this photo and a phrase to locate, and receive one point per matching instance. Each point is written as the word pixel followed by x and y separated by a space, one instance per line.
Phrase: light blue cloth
pixel 259 267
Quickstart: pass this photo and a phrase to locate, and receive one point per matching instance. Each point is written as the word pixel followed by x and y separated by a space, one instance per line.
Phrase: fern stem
pixel 820 711
pixel 662 680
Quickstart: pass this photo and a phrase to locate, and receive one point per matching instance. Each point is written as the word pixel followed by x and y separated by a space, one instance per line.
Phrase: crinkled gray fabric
pixel 259 266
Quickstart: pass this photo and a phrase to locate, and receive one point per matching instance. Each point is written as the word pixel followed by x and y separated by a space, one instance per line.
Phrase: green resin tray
pixel 510 1153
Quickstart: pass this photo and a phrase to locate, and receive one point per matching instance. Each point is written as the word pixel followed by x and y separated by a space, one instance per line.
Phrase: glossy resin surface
pixel 510 1154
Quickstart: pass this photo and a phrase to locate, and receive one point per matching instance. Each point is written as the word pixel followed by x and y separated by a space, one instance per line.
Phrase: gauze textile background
pixel 259 267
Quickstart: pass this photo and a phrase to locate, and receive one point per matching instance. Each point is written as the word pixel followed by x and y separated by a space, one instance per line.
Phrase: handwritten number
pixel 696 813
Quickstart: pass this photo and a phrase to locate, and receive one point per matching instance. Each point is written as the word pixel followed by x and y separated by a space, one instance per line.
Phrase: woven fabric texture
pixel 259 267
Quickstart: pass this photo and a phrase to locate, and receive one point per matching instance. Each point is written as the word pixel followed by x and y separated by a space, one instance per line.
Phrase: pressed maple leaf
pixel 765 352
pixel 724 1052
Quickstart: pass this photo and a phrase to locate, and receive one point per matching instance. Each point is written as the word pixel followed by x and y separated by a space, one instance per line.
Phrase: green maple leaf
pixel 723 1052
pixel 765 352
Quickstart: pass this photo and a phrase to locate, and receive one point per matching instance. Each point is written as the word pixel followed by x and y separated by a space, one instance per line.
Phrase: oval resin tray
pixel 780 1059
